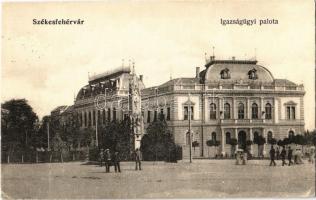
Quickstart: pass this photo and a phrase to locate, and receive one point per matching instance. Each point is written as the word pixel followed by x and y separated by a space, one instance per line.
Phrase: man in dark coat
pixel 107 157
pixel 283 154
pixel 116 162
pixel 138 159
pixel 289 156
pixel 272 156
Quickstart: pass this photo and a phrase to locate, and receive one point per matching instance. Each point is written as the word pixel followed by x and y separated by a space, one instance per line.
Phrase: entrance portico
pixel 242 135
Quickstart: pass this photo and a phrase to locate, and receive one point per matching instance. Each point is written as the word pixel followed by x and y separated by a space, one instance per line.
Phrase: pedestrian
pixel 101 157
pixel 107 157
pixel 138 159
pixel 283 154
pixel 116 162
pixel 277 153
pixel 272 156
pixel 289 156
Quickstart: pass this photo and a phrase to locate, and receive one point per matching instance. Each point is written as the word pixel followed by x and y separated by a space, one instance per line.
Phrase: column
pixel 233 114
pixel 223 142
pixel 265 136
pixel 236 137
pixel 251 138
pixel 261 109
pixel 248 109
pixel 220 108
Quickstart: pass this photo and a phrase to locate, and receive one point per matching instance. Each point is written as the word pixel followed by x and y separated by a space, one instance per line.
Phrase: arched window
pixel 268 110
pixel 212 111
pixel 226 111
pixel 228 137
pixel 291 134
pixel 269 136
pixel 214 136
pixel 254 111
pixel 241 111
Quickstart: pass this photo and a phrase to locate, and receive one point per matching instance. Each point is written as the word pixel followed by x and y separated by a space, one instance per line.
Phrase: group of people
pixel 276 154
pixel 112 158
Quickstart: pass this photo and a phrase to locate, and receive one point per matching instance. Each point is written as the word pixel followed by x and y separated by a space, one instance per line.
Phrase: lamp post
pixel 190 142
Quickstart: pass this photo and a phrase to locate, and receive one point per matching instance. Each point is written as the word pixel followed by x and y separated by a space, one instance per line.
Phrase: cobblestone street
pixel 201 179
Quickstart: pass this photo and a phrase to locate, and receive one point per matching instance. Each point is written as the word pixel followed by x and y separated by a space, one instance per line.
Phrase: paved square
pixel 201 179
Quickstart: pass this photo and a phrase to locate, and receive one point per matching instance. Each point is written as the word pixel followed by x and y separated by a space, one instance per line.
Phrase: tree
pixel 214 143
pixel 158 143
pixel 260 141
pixel 195 144
pixel 280 143
pixel 18 125
pixel 272 141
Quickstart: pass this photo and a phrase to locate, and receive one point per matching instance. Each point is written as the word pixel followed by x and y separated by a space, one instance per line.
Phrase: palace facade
pixel 227 99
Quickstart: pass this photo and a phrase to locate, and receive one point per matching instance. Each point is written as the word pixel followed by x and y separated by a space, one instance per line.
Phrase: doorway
pixel 242 139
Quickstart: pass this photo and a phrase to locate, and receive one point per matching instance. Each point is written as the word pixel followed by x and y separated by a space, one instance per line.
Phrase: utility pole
pixel 190 142
pixel 96 128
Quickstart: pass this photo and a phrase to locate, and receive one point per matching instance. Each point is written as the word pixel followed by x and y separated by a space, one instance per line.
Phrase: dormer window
pixel 225 74
pixel 252 74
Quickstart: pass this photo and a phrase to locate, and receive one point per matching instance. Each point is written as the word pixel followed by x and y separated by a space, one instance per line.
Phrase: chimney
pixel 197 72
pixel 141 77
pixel 233 58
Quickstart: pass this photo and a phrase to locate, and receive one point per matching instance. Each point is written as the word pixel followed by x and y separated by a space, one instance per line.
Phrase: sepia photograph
pixel 158 99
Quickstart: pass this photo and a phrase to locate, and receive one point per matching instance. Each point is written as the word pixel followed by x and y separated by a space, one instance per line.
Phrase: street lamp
pixel 189 113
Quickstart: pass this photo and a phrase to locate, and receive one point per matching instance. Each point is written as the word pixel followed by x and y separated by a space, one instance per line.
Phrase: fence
pixel 41 157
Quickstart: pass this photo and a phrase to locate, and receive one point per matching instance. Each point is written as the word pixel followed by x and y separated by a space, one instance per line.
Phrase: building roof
pixel 283 82
pixel 180 81
pixel 237 70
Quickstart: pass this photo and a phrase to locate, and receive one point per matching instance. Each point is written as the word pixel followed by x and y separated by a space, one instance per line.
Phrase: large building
pixel 228 99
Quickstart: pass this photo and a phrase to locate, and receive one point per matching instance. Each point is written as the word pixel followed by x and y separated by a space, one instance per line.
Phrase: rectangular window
pixel 293 112
pixel 288 112
pixel 85 119
pixel 168 113
pixel 114 114
pixel 99 117
pixel 109 114
pixel 161 114
pixel 93 117
pixel 89 119
pixel 186 113
pixel 148 116
pixel 155 115
pixel 103 116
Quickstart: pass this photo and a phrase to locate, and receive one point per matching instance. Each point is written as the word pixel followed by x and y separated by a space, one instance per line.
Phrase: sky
pixel 48 64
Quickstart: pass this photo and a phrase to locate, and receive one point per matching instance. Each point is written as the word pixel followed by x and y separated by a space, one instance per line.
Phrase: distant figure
pixel 289 156
pixel 272 156
pixel 138 158
pixel 101 157
pixel 277 153
pixel 107 157
pixel 283 154
pixel 116 162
